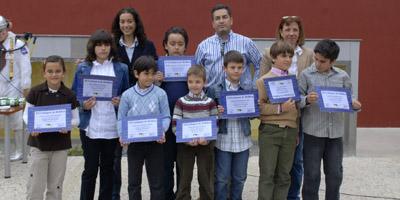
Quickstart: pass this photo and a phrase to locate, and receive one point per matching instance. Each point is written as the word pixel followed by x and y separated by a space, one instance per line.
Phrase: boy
pixel 323 131
pixel 144 98
pixel 233 140
pixel 278 130
pixel 195 105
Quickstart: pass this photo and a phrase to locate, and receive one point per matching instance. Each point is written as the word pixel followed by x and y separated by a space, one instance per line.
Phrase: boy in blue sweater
pixel 145 98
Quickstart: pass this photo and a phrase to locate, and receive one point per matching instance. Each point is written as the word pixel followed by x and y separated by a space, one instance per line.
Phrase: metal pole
pixel 7 171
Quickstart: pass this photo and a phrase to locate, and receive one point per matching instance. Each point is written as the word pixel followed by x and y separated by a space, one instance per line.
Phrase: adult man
pixel 15 77
pixel 210 51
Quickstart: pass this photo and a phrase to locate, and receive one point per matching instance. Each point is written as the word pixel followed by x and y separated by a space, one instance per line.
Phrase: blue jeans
pixel 233 167
pixel 297 170
pixel 331 152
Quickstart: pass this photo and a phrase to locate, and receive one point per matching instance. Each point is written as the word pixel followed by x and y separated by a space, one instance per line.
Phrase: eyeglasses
pixel 287 17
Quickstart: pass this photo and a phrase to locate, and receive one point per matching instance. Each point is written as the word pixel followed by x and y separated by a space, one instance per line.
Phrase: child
pixel 145 98
pixel 195 105
pixel 175 43
pixel 98 126
pixel 234 141
pixel 50 150
pixel 323 131
pixel 278 130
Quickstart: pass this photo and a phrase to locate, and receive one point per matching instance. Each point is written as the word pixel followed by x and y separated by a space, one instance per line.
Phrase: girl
pixel 175 42
pixel 98 126
pixel 49 150
pixel 128 32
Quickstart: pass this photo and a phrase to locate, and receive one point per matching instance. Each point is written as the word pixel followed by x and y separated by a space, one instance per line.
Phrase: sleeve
pixel 125 79
pixel 165 110
pixel 266 108
pixel 24 62
pixel 198 56
pixel 303 87
pixel 255 58
pixel 153 51
pixel 178 114
pixel 25 115
pixel 266 63
pixel 213 108
pixel 75 118
pixel 123 109
pixel 75 84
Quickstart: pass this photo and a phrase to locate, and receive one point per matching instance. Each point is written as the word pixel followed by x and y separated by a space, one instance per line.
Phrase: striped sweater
pixel 193 106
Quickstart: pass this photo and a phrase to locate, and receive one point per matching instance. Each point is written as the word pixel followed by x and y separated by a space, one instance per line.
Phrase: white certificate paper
pixel 50 119
pixel 142 128
pixel 335 99
pixel 196 129
pixel 97 88
pixel 176 68
pixel 240 104
pixel 281 89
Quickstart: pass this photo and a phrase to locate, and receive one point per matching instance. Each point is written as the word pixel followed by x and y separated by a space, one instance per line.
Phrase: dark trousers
pixel 169 162
pixel 97 153
pixel 297 169
pixel 186 157
pixel 152 155
pixel 117 173
pixel 331 152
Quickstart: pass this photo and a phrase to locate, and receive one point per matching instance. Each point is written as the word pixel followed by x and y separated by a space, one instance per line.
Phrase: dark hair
pixel 177 30
pixel 287 20
pixel 281 47
pixel 54 59
pixel 328 49
pixel 139 30
pixel 100 37
pixel 197 70
pixel 145 63
pixel 219 7
pixel 233 56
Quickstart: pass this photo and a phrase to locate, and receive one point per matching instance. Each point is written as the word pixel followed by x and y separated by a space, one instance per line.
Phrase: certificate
pixel 280 89
pixel 142 128
pixel 44 119
pixel 101 87
pixel 175 67
pixel 189 129
pixel 334 99
pixel 239 104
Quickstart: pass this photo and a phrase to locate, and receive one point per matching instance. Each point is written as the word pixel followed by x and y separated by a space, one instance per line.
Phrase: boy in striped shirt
pixel 195 105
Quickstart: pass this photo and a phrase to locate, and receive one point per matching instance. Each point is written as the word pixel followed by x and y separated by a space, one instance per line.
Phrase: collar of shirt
pixel 106 62
pixel 231 86
pixel 298 51
pixel 196 96
pixel 331 71
pixel 219 39
pixel 143 91
pixel 44 87
pixel 122 43
pixel 279 72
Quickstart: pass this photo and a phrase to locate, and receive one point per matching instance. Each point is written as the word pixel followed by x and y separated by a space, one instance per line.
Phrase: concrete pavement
pixel 373 174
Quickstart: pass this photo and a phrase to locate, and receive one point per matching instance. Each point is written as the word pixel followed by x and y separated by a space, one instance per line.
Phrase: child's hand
pixel 89 103
pixel 202 141
pixel 115 101
pixel 288 105
pixel 192 143
pixel 64 131
pixel 221 109
pixel 161 140
pixel 312 97
pixel 356 104
pixel 34 134
pixel 159 76
pixel 123 144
